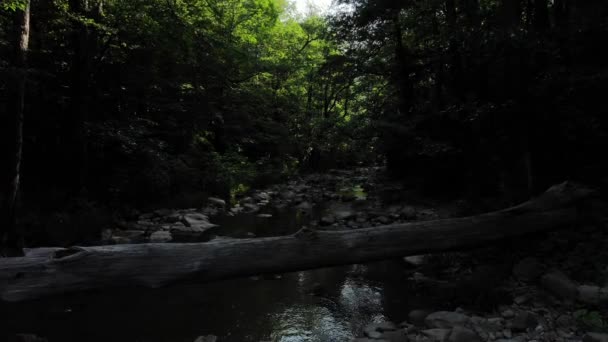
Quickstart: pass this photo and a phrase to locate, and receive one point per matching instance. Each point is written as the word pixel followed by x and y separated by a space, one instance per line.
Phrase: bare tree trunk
pixel 21 26
pixel 82 40
pixel 401 68
pixel 511 13
pixel 56 270
pixel 541 15
pixel 457 77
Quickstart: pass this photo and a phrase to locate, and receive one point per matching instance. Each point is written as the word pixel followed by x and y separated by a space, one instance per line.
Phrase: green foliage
pixel 13 5
pixel 591 319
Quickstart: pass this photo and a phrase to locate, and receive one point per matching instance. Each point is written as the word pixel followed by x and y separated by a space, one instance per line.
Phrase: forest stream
pixel 493 294
pixel 329 304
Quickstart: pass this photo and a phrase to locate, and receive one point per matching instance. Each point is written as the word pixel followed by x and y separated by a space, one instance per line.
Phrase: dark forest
pixel 379 170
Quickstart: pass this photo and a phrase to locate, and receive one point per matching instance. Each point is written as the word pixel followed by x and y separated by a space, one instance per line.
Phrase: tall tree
pixel 21 38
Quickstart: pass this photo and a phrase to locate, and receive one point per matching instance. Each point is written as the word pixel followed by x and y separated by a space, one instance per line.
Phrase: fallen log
pixel 46 271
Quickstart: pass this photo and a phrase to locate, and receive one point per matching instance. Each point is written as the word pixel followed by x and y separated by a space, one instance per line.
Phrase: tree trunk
pixel 456 67
pixel 401 69
pixel 8 237
pixel 511 13
pixel 56 270
pixel 82 40
pixel 541 15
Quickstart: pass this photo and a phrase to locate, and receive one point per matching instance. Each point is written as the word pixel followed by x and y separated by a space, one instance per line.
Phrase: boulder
pixel 161 236
pixel 194 219
pixel 250 208
pixel 437 334
pixel 559 284
pixel 593 295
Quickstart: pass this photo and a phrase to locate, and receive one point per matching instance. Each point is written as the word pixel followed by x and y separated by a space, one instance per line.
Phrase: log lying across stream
pixel 46 271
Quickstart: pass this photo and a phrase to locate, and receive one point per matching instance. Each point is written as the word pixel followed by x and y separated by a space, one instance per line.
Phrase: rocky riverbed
pixel 548 287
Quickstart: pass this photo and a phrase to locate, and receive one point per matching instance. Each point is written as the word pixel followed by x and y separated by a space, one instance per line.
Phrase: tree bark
pixel 541 15
pixel 8 237
pixel 49 271
pixel 401 75
pixel 511 13
pixel 84 41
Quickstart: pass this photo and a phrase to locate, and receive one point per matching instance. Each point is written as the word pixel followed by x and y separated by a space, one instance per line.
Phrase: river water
pixel 323 305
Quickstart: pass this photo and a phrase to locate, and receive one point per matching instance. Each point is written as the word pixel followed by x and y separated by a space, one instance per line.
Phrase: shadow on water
pixel 329 304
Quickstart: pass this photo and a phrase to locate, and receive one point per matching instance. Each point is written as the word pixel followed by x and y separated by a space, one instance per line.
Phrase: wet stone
pixel 446 319
pixel 460 334
pixel 437 334
pixel 559 284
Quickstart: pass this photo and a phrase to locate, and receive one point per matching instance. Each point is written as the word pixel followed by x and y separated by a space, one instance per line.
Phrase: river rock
pixel 384 219
pixel 437 334
pixel 247 199
pixel 304 206
pixel 565 321
pixel 594 295
pixel 261 196
pixel 146 216
pixel 192 224
pixel 487 324
pixel 251 208
pixel 236 209
pixel 395 336
pixel 208 338
pixel 508 313
pixel 327 220
pixel 414 260
pixel 595 337
pixel 408 213
pixel 461 334
pixel 194 219
pixel 287 195
pixel 417 317
pixel 446 319
pixel 379 327
pixel 559 284
pixel 128 236
pixel 218 202
pixel 524 320
pixel 161 236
